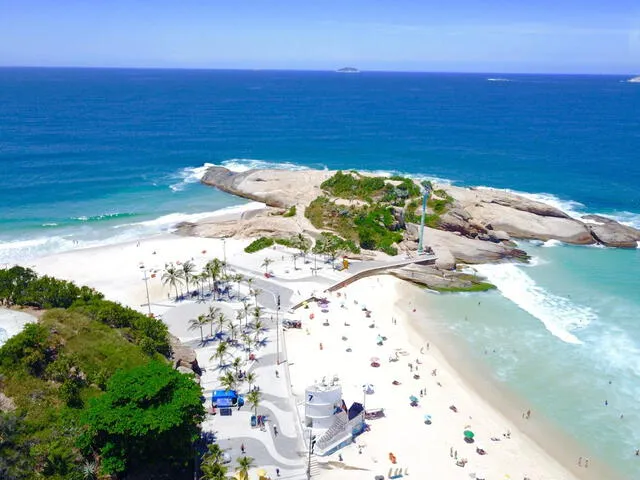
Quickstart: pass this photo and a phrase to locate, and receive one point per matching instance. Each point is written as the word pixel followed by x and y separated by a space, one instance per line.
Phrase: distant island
pixel 634 80
pixel 348 70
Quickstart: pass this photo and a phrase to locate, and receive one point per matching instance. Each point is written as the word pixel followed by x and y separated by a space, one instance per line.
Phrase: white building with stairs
pixel 329 424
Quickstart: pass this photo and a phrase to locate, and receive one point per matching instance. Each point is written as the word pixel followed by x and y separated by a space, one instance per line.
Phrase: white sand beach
pixel 427 451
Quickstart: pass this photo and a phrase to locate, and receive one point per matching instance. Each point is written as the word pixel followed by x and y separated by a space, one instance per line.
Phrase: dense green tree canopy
pixel 148 412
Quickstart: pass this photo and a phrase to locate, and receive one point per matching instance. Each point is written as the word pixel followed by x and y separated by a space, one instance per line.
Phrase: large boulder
pixel 184 356
pixel 611 233
pixel 276 188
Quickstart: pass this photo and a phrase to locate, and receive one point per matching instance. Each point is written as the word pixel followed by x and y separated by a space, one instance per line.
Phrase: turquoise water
pixel 557 333
pixel 101 156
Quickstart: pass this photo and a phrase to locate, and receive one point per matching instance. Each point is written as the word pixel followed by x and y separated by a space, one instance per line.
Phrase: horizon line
pixel 249 69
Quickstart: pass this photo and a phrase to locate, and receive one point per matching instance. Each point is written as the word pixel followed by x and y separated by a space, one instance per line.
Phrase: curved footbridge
pixel 366 269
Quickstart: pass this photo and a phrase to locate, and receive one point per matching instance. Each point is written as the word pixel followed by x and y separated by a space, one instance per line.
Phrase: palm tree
pixel 236 364
pixel 232 328
pixel 301 243
pixel 244 465
pixel 211 316
pixel 199 322
pixel 249 282
pixel 221 351
pixel 265 263
pixel 188 268
pixel 256 292
pixel 257 313
pixel 172 276
pixel 258 327
pixel 212 466
pixel 228 381
pixel 238 277
pixel 250 377
pixel 213 269
pixel 221 321
pixel 245 307
pixel 254 397
pixel 89 470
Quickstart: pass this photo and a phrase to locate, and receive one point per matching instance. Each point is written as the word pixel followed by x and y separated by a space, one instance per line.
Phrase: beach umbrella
pixel 375 360
pixel 427 419
pixel 262 473
pixel 413 399
pixel 469 434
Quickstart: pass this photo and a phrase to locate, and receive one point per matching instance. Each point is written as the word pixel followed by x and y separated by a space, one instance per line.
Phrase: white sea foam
pixel 559 315
pixel 552 243
pixel 244 164
pixel 23 250
pixel 167 222
pixel 498 80
pixel 189 175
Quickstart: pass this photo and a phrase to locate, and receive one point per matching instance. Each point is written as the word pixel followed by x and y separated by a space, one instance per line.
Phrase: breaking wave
pixel 560 316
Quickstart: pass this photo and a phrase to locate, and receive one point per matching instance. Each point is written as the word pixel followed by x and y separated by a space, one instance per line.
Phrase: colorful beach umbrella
pixel 469 434
pixel 413 398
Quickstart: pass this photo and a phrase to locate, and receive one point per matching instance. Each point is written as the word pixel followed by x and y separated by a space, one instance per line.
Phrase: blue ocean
pixel 98 156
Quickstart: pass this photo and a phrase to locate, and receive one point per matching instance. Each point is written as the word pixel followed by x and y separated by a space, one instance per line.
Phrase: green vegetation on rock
pixel 291 212
pixel 373 216
pixel 259 244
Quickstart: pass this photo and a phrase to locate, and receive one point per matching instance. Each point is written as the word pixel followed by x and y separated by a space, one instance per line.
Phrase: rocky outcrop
pixel 433 278
pixel 262 224
pixel 6 403
pixel 476 227
pixel 276 188
pixel 477 212
pixel 184 356
pixel 611 233
pixel 452 248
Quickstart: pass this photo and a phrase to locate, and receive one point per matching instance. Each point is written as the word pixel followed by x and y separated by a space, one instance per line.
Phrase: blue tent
pixel 218 395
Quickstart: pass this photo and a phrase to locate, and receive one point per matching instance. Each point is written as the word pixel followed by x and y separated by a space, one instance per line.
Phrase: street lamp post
pixel 309 458
pixel 278 332
pixel 426 189
pixel 146 284
pixel 224 252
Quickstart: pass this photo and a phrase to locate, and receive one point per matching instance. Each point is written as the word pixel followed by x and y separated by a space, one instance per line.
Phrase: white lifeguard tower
pixel 322 402
pixel 327 418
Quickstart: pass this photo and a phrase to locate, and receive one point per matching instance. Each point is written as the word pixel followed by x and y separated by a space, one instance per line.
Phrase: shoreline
pixel 305 359
pixel 497 397
pixel 539 430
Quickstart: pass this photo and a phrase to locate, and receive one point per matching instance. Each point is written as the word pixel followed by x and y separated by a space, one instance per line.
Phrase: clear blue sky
pixel 573 36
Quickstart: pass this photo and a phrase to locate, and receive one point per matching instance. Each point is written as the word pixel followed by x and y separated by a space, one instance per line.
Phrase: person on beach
pixel 277 472
pixel 277 374
pixel 586 463
pixel 580 462
pixel 242 448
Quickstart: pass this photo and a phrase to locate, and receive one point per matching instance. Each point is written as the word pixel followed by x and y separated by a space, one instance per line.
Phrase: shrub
pixel 259 244
pixel 291 212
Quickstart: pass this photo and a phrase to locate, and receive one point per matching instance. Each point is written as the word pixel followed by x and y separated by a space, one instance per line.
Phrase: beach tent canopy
pixel 469 434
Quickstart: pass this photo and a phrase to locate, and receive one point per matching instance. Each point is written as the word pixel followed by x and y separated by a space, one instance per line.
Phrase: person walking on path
pixel 277 472
pixel 242 448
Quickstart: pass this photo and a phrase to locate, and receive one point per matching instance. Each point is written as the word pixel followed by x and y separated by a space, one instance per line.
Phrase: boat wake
pixel 560 316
